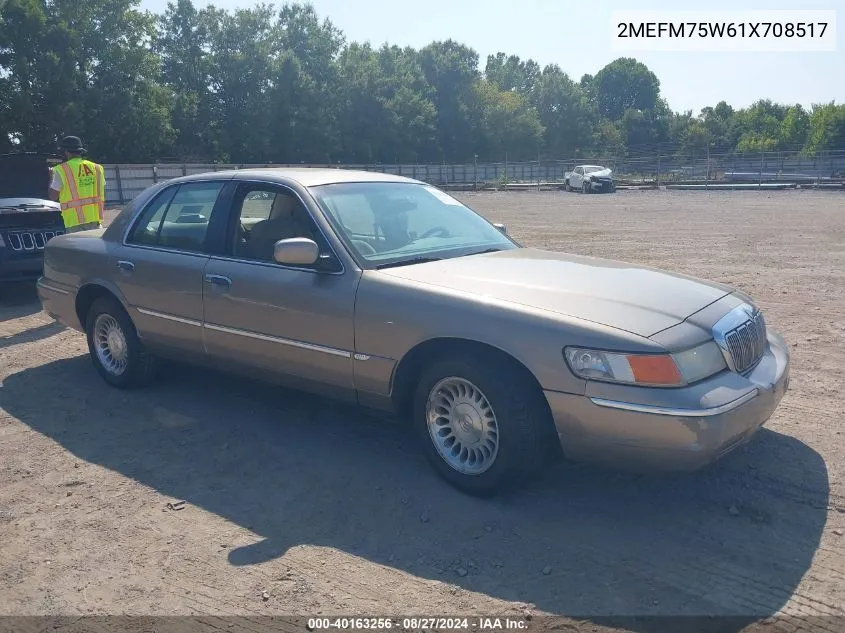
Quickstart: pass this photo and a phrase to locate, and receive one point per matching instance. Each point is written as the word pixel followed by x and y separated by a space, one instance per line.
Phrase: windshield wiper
pixel 408 262
pixel 486 250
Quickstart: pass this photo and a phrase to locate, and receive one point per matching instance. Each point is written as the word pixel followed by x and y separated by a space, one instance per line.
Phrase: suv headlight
pixel 680 368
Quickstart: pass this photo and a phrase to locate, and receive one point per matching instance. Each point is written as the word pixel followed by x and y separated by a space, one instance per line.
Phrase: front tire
pixel 114 346
pixel 482 426
pixel 585 188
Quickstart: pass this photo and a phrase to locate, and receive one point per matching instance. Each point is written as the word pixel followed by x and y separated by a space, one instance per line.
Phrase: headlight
pixel 646 369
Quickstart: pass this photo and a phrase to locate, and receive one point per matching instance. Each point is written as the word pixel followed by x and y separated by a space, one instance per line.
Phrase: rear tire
pixel 482 425
pixel 115 349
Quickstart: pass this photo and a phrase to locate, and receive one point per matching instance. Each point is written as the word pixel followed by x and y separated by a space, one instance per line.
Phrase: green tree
pixel 409 100
pixel 827 128
pixel 183 42
pixel 509 72
pixel 452 71
pixel 243 46
pixel 86 69
pixel 364 120
pixel 508 124
pixel 625 84
pixel 565 113
pixel 795 128
pixel 315 44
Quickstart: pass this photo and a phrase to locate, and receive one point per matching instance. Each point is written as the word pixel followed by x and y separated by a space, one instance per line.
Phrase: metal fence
pixel 124 182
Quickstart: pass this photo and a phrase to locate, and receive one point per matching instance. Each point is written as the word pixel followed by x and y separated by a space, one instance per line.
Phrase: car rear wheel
pixel 568 186
pixel 482 425
pixel 114 346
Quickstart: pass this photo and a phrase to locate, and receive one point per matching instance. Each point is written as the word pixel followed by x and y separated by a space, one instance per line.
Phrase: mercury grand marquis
pixel 391 294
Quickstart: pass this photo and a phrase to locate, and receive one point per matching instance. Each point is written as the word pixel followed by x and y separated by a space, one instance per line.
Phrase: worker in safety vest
pixel 79 186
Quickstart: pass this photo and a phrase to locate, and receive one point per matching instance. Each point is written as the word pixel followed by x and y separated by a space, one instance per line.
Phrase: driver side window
pixel 265 216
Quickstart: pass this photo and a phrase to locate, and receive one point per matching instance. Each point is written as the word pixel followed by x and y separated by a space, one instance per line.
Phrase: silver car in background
pixel 590 179
pixel 387 292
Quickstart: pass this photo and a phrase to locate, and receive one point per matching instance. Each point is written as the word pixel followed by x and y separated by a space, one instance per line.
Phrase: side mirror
pixel 296 251
pixel 501 227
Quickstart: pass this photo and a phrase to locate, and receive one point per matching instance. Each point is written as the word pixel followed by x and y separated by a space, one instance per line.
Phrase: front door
pixel 296 321
pixel 159 270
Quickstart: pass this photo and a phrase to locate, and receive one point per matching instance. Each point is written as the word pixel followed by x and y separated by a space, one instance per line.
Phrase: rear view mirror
pixel 501 227
pixel 296 251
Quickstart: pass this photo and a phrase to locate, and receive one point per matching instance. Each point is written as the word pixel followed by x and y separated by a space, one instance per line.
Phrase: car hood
pixel 603 173
pixel 636 299
pixel 26 175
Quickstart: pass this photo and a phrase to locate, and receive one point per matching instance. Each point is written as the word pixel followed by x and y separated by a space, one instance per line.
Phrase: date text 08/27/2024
pixel 417 624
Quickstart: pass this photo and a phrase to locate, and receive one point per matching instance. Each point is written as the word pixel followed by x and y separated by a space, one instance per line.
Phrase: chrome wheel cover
pixel 110 344
pixel 462 425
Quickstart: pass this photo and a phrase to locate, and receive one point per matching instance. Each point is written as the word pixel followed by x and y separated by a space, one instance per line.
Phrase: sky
pixel 576 35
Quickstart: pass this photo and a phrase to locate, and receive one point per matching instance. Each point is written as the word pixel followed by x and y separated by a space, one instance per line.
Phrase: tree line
pixel 282 85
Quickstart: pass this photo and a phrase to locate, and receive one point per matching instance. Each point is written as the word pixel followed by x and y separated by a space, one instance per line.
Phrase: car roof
pixel 305 176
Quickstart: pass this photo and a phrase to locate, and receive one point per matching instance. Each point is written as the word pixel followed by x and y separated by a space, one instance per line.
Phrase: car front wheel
pixel 482 425
pixel 114 346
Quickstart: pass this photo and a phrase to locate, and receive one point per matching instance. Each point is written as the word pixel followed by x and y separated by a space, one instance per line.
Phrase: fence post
pixel 119 184
pixel 155 174
pixel 762 155
pixel 658 171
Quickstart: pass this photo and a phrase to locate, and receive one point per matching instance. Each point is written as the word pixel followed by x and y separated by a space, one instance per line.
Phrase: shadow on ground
pixel 31 335
pixel 18 299
pixel 734 540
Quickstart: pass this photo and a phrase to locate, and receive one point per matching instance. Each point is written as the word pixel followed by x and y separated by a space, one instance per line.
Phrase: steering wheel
pixel 365 247
pixel 442 231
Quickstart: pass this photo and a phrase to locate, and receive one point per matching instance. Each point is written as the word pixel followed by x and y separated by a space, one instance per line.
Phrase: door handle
pixel 126 265
pixel 218 280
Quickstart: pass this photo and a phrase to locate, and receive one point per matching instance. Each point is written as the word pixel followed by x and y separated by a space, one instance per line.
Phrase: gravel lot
pixel 294 505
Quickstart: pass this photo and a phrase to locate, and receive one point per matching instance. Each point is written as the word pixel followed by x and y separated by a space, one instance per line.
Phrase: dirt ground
pixel 294 505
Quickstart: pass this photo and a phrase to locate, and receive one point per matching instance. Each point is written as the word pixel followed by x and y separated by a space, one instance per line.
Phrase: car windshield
pixel 388 223
pixel 589 169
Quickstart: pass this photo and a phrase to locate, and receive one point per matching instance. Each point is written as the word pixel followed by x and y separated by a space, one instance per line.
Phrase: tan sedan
pixel 389 293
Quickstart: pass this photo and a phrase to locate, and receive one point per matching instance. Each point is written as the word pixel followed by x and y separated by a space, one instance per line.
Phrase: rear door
pixel 160 265
pixel 292 320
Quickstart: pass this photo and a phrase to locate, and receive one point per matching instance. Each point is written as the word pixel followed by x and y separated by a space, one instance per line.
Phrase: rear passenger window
pixel 178 218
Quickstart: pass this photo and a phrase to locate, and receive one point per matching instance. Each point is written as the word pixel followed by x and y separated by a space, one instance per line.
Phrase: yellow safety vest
pixel 82 196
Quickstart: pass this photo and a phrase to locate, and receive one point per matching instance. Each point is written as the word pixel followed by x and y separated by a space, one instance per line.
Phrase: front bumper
pixel 665 437
pixel 20 269
pixel 602 185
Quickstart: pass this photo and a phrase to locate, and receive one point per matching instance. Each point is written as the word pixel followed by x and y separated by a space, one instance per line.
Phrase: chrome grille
pixel 29 240
pixel 746 343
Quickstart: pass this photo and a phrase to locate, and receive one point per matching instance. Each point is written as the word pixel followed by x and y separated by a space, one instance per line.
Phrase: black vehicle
pixel 28 218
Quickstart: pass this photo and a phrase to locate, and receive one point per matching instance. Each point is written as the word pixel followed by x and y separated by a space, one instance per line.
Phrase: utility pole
pixel 475 172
